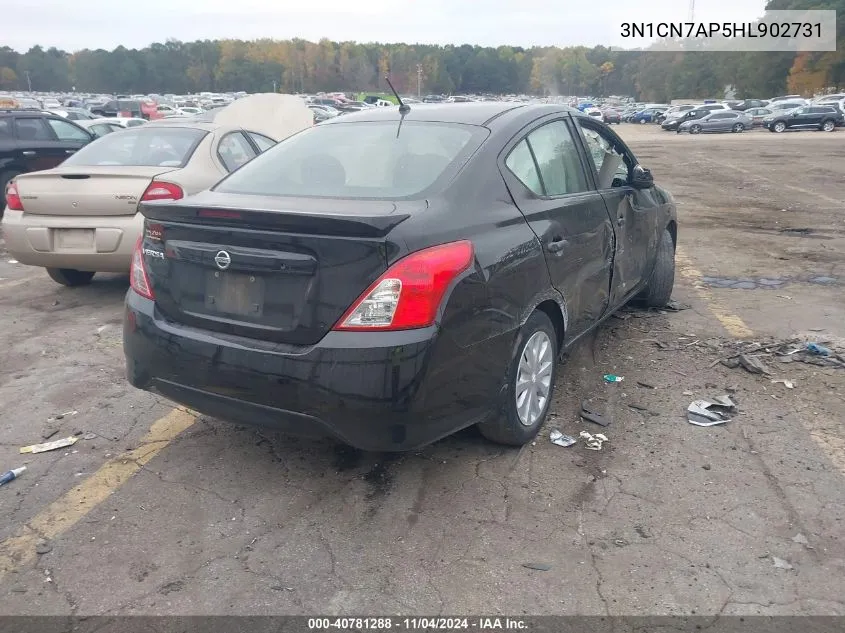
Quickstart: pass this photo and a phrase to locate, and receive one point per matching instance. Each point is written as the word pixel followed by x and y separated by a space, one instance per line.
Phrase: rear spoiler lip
pixel 292 221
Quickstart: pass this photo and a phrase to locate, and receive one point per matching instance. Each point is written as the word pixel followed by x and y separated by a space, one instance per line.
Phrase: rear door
pixel 235 150
pixel 636 214
pixel 38 147
pixel 543 170
pixel 69 136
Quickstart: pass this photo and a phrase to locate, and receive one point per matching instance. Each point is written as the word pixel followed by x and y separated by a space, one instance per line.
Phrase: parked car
pixel 826 118
pixel 120 108
pixel 757 115
pixel 391 277
pixel 719 121
pixel 82 217
pixel 100 127
pixel 690 115
pixel 646 116
pixel 747 104
pixel 32 141
pixel 611 116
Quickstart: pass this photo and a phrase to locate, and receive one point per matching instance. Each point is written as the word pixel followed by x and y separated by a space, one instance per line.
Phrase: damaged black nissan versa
pixel 392 276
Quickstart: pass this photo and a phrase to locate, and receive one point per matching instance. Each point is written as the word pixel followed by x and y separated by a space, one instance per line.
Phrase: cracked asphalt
pixel 197 516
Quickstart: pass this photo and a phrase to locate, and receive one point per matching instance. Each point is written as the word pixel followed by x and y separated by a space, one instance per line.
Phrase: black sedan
pixel 390 277
pixel 812 117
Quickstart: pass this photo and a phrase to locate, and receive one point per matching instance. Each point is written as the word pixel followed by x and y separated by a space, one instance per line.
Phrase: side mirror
pixel 641 178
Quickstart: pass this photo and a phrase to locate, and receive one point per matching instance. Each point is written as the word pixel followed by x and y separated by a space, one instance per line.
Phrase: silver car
pixel 719 121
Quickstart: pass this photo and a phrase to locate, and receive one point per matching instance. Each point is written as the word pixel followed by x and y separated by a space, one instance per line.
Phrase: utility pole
pixel 691 10
pixel 28 80
pixel 419 80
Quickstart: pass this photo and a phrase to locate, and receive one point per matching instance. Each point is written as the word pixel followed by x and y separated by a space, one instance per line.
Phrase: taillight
pixel 139 281
pixel 409 294
pixel 13 200
pixel 160 190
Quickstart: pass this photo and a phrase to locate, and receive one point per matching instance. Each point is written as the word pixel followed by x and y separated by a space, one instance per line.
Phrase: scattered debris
pixel 593 442
pixel 819 350
pixel 645 385
pixel 781 563
pixel 612 378
pixel 752 364
pixel 801 540
pixel 637 407
pixel 537 566
pixel 11 475
pixel 711 412
pixel 787 297
pixel 61 416
pixel 48 433
pixel 102 328
pixel 43 547
pixel 90 436
pixel 13 261
pixel 676 306
pixel 786 383
pixel 50 446
pixel 592 416
pixel 560 439
pixel 730 363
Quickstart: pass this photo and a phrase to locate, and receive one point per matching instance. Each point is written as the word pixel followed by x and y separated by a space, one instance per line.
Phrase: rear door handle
pixel 556 245
pixel 28 152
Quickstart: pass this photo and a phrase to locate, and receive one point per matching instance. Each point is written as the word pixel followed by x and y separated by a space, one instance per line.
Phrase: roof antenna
pixel 403 108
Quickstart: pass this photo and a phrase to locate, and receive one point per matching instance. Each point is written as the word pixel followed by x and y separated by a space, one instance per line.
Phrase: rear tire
pixel 508 427
pixel 70 276
pixel 5 177
pixel 658 291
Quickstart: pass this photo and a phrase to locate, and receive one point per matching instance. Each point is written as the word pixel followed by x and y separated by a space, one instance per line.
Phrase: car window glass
pixel 521 163
pixel 6 129
pixel 67 131
pixel 135 123
pixel 154 147
pixel 609 163
pixel 367 159
pixel 557 158
pixel 264 143
pixel 234 151
pixel 32 130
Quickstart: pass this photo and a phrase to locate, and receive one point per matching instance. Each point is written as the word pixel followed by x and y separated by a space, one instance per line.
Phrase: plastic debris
pixel 537 566
pixel 612 378
pixel 645 385
pixel 593 442
pixel 801 540
pixel 819 350
pixel 781 563
pixel 676 306
pixel 11 475
pixel 560 439
pixel 711 412
pixel 50 446
pixel 593 416
pixel 786 383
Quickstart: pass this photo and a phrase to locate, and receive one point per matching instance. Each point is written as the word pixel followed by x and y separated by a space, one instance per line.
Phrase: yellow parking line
pixel 68 510
pixel 732 323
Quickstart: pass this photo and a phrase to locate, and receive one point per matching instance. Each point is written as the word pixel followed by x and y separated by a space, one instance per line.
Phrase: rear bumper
pixel 393 391
pixel 106 247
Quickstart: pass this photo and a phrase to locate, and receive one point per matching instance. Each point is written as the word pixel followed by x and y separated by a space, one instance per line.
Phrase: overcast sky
pixel 73 26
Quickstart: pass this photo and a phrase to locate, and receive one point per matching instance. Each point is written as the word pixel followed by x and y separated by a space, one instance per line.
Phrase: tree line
pixel 302 66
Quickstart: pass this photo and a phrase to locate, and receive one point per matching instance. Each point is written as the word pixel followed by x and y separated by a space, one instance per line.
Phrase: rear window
pixel 146 146
pixel 357 160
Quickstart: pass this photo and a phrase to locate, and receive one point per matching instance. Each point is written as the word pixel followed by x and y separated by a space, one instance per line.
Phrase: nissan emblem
pixel 223 260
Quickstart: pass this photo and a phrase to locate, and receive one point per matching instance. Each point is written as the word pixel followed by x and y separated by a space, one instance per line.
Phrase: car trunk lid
pixel 284 274
pixel 84 191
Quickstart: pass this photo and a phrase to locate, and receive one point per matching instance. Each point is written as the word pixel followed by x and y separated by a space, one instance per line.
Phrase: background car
pixel 611 115
pixel 648 115
pixel 826 118
pixel 82 217
pixel 757 115
pixel 719 121
pixel 674 123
